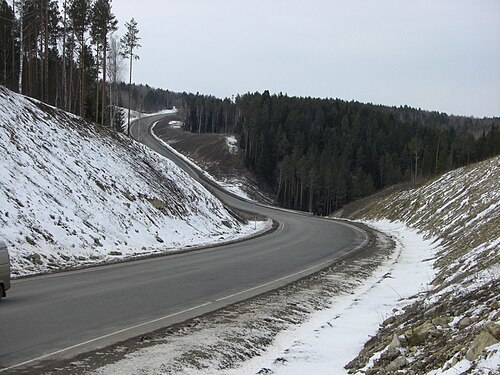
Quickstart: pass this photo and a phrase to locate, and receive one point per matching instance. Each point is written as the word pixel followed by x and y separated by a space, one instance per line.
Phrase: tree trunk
pixel 437 154
pixel 64 83
pixel 46 56
pixel 21 45
pixel 13 45
pixel 71 68
pixel 129 92
pixel 103 98
pixel 97 85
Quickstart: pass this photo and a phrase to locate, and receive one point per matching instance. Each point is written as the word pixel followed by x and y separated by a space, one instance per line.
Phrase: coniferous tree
pixel 7 44
pixel 103 24
pixel 79 13
pixel 129 43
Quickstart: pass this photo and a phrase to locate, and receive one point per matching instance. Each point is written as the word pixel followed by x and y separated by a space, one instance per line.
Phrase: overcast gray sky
pixel 439 55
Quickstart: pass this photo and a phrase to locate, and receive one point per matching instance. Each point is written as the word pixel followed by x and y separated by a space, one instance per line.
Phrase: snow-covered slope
pixel 72 193
pixel 455 326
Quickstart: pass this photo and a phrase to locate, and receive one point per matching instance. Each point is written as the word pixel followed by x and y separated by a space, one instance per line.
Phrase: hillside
pixel 219 156
pixel 454 326
pixel 73 194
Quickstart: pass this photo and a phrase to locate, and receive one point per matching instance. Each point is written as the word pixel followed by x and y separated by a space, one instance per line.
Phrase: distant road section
pixel 60 315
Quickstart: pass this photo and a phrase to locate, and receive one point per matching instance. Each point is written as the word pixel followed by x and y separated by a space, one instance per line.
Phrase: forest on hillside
pixel 66 53
pixel 320 154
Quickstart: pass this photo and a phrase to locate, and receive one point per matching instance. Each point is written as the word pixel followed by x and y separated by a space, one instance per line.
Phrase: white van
pixel 4 269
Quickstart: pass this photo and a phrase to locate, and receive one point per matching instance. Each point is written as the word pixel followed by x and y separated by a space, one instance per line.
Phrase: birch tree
pixel 114 72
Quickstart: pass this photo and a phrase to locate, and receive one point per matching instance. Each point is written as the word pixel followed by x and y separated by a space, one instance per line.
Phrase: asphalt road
pixel 58 316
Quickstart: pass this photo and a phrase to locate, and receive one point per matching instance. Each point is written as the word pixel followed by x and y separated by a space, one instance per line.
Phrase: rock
pixel 441 321
pixel 493 329
pixel 30 240
pixel 35 258
pixel 403 340
pixel 390 354
pixel 431 312
pixel 265 370
pixel 417 336
pixel 397 364
pixel 395 343
pixel 489 335
pixel 389 321
pixel 464 322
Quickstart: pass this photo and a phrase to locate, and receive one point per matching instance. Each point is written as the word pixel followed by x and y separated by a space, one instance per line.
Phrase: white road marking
pixel 317 266
pixel 102 337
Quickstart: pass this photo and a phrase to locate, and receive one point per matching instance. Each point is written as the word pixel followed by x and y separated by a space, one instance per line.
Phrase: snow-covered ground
pixel 232 144
pixel 234 185
pixel 74 194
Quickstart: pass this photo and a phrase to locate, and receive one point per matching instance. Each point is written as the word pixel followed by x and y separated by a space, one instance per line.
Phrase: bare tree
pixel 114 73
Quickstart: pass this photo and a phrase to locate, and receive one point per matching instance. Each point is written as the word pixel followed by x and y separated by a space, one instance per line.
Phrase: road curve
pixel 58 316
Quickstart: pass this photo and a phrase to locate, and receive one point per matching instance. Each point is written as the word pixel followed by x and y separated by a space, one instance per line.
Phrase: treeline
pixel 64 53
pixel 474 126
pixel 208 114
pixel 322 153
pixel 148 99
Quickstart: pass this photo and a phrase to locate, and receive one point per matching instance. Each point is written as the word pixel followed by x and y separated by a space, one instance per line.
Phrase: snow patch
pixel 232 144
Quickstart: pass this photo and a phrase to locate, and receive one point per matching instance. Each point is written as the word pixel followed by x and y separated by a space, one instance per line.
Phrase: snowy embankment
pixel 74 194
pixel 455 326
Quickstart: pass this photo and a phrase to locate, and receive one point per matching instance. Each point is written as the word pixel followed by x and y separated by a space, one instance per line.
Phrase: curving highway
pixel 58 316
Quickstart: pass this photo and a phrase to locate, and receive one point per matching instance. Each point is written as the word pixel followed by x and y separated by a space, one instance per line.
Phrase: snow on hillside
pixel 72 194
pixel 455 326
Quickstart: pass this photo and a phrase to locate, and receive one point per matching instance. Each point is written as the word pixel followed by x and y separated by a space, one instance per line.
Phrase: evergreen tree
pixel 103 24
pixel 79 13
pixel 129 43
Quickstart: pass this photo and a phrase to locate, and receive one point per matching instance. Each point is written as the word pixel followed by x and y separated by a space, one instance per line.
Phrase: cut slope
pixel 456 325
pixel 73 193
